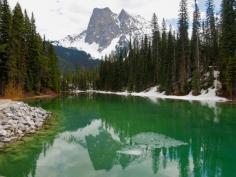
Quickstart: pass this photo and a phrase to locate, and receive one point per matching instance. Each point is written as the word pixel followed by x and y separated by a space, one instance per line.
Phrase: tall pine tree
pixel 163 62
pixel 16 63
pixel 211 47
pixel 170 62
pixel 195 51
pixel 227 41
pixel 183 48
pixel 5 34
pixel 156 48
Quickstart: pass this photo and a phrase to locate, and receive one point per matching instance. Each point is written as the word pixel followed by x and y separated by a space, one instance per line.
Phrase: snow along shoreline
pixel 208 95
pixel 18 119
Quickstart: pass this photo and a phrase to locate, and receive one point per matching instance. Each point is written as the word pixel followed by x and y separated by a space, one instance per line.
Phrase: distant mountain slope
pixel 70 59
pixel 106 31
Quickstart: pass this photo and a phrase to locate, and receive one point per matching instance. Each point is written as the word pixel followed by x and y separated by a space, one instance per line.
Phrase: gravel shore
pixel 18 119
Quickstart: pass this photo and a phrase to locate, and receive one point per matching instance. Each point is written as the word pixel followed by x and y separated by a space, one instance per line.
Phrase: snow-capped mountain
pixel 106 31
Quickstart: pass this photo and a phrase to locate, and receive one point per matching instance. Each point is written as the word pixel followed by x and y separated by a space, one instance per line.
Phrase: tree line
pixel 28 62
pixel 176 61
pixel 82 79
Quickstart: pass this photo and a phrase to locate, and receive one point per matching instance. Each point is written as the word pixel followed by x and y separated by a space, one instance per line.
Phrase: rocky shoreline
pixel 18 119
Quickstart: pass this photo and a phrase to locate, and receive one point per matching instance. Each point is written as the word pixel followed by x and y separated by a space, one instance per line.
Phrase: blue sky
pixel 58 18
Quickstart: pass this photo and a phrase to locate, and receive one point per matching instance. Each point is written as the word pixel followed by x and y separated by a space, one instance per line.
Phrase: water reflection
pixel 119 136
pixel 106 152
pixel 20 159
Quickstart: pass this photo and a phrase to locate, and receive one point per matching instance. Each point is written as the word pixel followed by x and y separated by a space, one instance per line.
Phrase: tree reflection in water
pixel 100 136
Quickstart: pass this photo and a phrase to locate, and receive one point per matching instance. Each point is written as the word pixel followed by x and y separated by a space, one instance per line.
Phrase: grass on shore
pixel 17 93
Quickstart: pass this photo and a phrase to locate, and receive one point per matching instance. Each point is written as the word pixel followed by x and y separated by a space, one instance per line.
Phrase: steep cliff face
pixel 106 31
pixel 103 28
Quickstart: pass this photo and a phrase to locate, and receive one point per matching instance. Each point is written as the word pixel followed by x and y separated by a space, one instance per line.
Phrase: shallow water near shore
pixel 108 136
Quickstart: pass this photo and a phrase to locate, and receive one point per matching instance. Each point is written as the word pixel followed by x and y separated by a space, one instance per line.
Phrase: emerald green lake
pixel 114 136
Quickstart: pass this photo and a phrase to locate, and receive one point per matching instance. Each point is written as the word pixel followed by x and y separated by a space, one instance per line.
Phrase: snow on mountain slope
pixel 106 31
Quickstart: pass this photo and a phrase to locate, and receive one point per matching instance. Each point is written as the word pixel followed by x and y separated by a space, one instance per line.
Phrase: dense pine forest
pixel 173 59
pixel 28 63
pixel 176 61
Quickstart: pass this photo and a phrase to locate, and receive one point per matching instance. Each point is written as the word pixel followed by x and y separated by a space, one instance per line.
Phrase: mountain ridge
pixel 70 59
pixel 106 31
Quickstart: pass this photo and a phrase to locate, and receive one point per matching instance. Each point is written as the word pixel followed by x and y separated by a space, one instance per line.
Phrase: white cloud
pixel 58 18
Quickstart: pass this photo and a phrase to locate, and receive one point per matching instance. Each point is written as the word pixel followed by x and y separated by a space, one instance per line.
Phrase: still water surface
pixel 114 136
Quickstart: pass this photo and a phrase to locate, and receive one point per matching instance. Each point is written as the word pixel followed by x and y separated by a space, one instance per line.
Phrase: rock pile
pixel 18 119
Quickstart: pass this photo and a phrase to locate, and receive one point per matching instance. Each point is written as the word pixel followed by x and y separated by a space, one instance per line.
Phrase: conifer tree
pixel 183 47
pixel 163 61
pixel 170 57
pixel 195 51
pixel 174 63
pixel 155 48
pixel 211 36
pixel 228 39
pixel 35 54
pixel 54 73
pixel 5 31
pixel 1 49
pixel 28 37
pixel 131 66
pixel 231 76
pixel 16 63
pixel 146 63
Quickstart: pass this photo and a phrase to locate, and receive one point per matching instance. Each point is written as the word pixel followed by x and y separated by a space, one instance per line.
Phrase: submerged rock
pixel 18 119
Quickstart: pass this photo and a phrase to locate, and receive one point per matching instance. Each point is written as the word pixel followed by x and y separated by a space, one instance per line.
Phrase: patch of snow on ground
pixel 152 93
pixel 208 96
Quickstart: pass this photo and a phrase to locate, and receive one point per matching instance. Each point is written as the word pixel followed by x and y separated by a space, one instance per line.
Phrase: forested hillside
pixel 28 63
pixel 70 59
pixel 176 61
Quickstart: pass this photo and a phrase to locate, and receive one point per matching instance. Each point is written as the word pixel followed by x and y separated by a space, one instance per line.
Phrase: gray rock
pixel 3 132
pixel 38 124
pixel 18 119
pixel 7 127
pixel 102 28
pixel 2 115
pixel 5 140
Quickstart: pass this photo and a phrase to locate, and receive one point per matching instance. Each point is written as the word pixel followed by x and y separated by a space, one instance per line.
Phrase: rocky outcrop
pixel 102 28
pixel 18 119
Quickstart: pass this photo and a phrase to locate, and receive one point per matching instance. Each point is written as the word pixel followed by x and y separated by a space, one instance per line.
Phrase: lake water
pixel 115 136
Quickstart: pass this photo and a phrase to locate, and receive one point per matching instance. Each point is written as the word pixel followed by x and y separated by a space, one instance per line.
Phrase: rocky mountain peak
pixel 102 11
pixel 107 30
pixel 102 27
pixel 123 15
